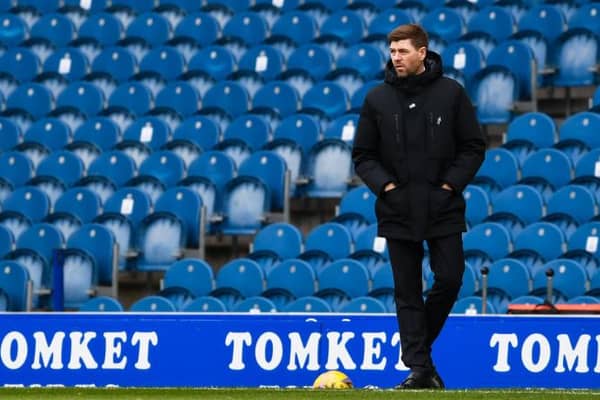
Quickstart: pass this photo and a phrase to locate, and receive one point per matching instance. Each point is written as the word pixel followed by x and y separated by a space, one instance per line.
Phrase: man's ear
pixel 422 53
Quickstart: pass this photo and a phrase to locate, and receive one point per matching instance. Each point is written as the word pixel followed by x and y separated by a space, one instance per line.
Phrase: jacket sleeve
pixel 470 145
pixel 365 152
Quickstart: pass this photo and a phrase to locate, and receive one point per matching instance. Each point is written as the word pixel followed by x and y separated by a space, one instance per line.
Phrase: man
pixel 418 144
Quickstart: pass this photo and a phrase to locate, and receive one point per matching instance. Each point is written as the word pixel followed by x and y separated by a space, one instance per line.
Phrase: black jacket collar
pixel 415 83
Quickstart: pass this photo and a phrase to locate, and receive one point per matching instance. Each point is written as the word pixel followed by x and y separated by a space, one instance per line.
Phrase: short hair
pixel 415 33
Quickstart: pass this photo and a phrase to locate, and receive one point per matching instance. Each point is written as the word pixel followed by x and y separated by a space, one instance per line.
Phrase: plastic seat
pixel 298 26
pixel 166 61
pixel 465 57
pixel 494 91
pixel 186 205
pixel 117 62
pixel 70 63
pixel 324 179
pixel 246 201
pixel 83 96
pixel 161 240
pixel 32 98
pixel 586 17
pixel 255 304
pixel 264 60
pixel 152 304
pixel 344 24
pixel 242 277
pixel 178 296
pixel 56 28
pixel 131 96
pixel 478 204
pixel 528 132
pixel 545 19
pixel 15 284
pixel 63 165
pixel 216 61
pixel 214 165
pixel 278 96
pixel 101 27
pixel 508 277
pixel 364 58
pixel 308 304
pixel 314 59
pixel 15 168
pixel 444 22
pixel 229 96
pixel 101 304
pixel 575 201
pixel 150 131
pixel 495 20
pixel 580 128
pixel 151 27
pixel 14 30
pixel 331 238
pixel 180 97
pixel 163 165
pixel 327 97
pixel 522 201
pixel 387 19
pixel 341 281
pixel 550 164
pixel 99 242
pixel 80 202
pixel 205 304
pixel 569 280
pixel 281 238
pixel 542 237
pixel 582 44
pixel 192 274
pixel 199 26
pixel 520 59
pixel 289 280
pixel 248 26
pixel 199 130
pixel 471 305
pixel 364 304
pixel 359 200
pixel 114 165
pixel 490 238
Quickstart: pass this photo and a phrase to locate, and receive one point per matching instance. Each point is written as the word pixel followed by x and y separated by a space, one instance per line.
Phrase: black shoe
pixel 422 380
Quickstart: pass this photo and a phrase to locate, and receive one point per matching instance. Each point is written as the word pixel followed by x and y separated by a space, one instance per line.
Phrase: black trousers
pixel 421 320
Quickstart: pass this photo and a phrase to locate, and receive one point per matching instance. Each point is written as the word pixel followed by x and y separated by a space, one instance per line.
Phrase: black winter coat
pixel 419 132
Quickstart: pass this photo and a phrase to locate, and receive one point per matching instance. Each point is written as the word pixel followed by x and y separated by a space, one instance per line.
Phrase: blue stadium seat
pixel 102 27
pixel 199 130
pixel 313 59
pixel 575 201
pixel 357 98
pixel 265 60
pixel 79 202
pixel 216 166
pixel 483 40
pixel 283 239
pixel 228 96
pixel 575 54
pixel 500 167
pixel 465 8
pixel 540 48
pixel 246 202
pixel 548 164
pixel 364 304
pixel 238 279
pixel 164 166
pixel 180 97
pixel 186 205
pixel 199 26
pixel 490 238
pixel 587 165
pixel 528 132
pixel 82 96
pixel 580 128
pixel 478 204
pixel 249 130
pixel 62 165
pixel 160 241
pixel 56 28
pixel 328 98
pixel 117 62
pixel 471 305
pixel 166 61
pixel 153 303
pixel 289 280
pixel 10 134
pixel 569 280
pixel 115 165
pixel 101 304
pixel 216 61
pixel 308 304
pixel 331 238
pixel 445 22
pixel 14 30
pixel 545 19
pixel 463 56
pixel 341 281
pixel 344 24
pixel 133 96
pixel 520 59
pixel 15 283
pixel 192 274
pixel 295 25
pixel 494 91
pixel 32 98
pixel 205 304
pixel 542 237
pixel 68 62
pixel 324 180
pixel 363 58
pixel 494 20
pixel 151 27
pixel 508 277
pixel 387 19
pixel 99 242
pixel 15 168
pixel 255 304
pixel 248 26
pixel 178 296
pixel 150 131
pixel 359 200
pixel 521 201
pixel 586 17
pixel 277 96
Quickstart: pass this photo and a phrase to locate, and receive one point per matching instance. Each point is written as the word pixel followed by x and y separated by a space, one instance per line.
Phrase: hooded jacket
pixel 419 132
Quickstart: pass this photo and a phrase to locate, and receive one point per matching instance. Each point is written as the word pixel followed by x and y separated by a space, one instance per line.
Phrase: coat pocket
pixel 444 203
pixel 394 204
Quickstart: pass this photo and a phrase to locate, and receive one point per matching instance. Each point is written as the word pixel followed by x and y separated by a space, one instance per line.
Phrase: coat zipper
pixel 431 127
pixel 397 122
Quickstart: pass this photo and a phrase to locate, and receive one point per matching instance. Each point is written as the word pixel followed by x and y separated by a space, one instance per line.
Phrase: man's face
pixel 406 59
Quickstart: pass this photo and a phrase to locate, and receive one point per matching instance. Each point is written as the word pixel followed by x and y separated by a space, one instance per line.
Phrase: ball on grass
pixel 332 380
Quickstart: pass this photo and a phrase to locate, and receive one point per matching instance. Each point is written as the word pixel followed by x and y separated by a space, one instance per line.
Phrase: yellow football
pixel 332 380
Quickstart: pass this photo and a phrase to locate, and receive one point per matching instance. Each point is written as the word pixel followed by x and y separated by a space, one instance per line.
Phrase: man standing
pixel 418 144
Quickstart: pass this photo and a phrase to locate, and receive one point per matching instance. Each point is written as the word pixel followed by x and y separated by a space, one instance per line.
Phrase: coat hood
pixel 414 83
